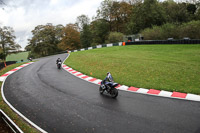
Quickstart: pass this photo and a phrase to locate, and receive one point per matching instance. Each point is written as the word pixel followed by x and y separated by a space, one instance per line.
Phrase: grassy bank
pixel 163 67
pixel 25 127
pixel 17 57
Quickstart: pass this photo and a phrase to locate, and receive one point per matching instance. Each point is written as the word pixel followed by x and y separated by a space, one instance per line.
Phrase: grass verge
pixel 162 67
pixel 25 127
pixel 17 57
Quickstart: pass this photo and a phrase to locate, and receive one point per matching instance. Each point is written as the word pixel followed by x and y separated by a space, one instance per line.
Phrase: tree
pixel 145 15
pixel 86 36
pixel 58 33
pixel 105 12
pixel 176 12
pixel 100 31
pixel 197 15
pixel 18 47
pixel 191 9
pixel 123 17
pixel 45 39
pixel 71 38
pixel 83 23
pixel 134 2
pixel 28 47
pixel 116 13
pixel 7 41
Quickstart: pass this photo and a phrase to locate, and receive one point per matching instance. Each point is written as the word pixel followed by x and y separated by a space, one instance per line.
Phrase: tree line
pixel 113 20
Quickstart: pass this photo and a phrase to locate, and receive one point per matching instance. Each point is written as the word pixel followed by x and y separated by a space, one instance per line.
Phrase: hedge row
pixel 175 31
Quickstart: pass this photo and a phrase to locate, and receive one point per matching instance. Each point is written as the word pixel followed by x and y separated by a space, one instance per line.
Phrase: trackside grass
pixel 26 128
pixel 162 67
pixel 17 57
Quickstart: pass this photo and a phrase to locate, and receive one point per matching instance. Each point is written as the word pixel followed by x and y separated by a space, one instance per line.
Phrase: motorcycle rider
pixel 58 60
pixel 108 81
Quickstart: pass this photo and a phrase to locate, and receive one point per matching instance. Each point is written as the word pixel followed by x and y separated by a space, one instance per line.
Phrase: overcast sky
pixel 24 15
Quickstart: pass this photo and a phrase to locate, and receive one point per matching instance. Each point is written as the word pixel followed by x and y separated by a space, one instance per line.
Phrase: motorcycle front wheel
pixel 114 93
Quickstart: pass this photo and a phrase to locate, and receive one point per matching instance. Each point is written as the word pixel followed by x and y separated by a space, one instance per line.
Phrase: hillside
pixel 164 67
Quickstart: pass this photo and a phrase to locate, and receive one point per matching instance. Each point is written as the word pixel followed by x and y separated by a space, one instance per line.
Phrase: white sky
pixel 24 15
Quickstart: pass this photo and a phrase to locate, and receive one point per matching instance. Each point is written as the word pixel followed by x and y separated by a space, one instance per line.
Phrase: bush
pixel 160 32
pixel 115 37
pixel 190 29
pixel 152 33
pixel 169 31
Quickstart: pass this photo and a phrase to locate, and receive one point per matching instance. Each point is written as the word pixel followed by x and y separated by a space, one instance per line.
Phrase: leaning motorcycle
pixel 111 90
pixel 59 65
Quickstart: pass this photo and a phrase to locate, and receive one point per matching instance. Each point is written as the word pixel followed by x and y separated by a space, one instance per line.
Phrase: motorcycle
pixel 59 65
pixel 110 89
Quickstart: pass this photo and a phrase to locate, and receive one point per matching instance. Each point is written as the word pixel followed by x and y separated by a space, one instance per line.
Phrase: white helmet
pixel 109 76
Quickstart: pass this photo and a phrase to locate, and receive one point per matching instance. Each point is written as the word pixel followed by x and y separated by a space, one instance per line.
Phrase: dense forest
pixel 152 19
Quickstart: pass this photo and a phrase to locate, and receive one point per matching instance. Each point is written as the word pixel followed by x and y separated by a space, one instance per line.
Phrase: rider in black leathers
pixel 58 60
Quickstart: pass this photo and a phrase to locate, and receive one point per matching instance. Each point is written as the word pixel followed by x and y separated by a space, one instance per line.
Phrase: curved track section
pixel 59 102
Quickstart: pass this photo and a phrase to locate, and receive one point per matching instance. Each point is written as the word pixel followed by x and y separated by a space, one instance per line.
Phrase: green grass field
pixel 162 67
pixel 17 57
pixel 25 127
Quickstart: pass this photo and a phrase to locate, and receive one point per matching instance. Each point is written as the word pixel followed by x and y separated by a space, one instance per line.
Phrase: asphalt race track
pixel 59 102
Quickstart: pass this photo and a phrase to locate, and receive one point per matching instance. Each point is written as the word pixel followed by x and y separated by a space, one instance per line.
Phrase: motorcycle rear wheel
pixel 101 90
pixel 59 66
pixel 114 93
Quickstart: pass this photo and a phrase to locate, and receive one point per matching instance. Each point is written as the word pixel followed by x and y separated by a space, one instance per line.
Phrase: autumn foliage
pixel 71 38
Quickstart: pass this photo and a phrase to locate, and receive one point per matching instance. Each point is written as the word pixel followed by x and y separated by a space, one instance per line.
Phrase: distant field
pixel 163 67
pixel 17 57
